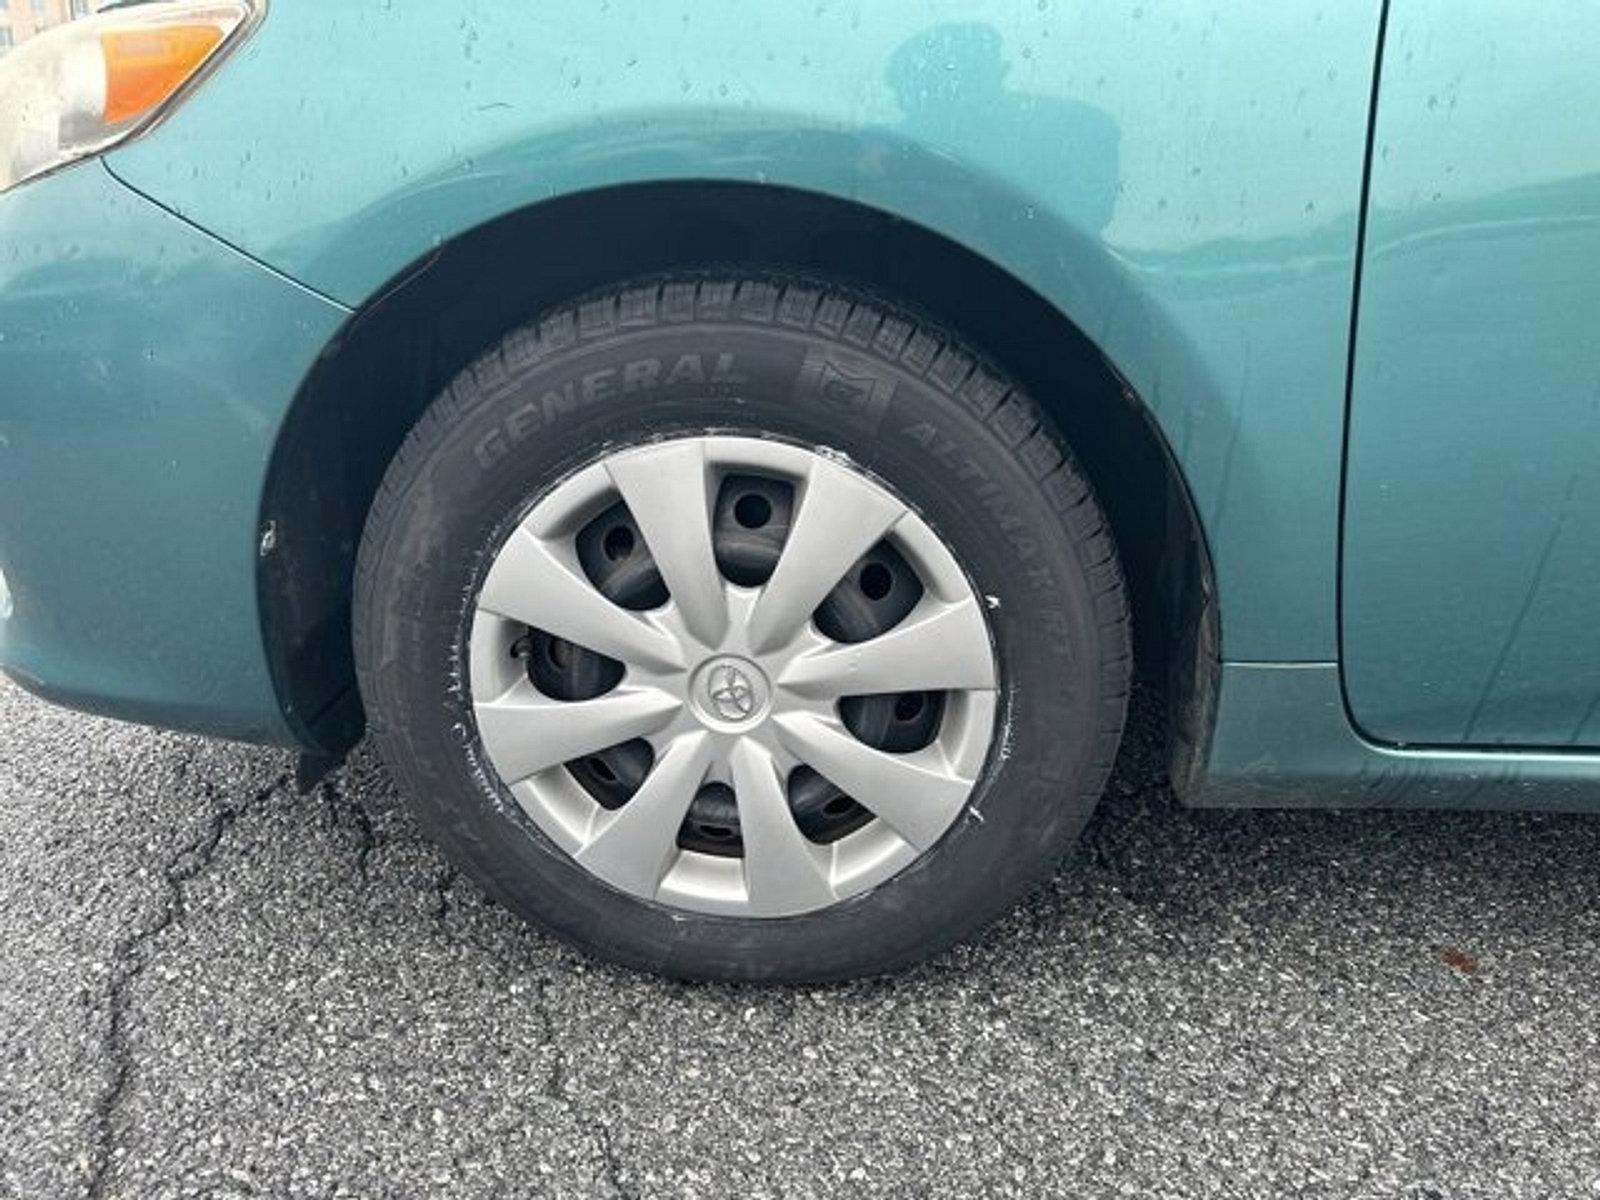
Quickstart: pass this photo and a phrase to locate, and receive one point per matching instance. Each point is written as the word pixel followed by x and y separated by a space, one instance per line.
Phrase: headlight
pixel 87 85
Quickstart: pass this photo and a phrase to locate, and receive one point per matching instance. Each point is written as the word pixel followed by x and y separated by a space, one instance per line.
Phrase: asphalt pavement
pixel 213 986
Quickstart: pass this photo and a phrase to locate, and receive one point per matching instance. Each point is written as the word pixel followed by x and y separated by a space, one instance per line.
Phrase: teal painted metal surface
pixel 144 368
pixel 1472 546
pixel 1181 179
pixel 1282 740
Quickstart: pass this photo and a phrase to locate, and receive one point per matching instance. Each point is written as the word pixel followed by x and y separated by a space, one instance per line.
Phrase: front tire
pixel 743 629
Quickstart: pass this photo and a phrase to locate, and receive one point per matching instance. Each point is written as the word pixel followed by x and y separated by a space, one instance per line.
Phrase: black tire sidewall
pixel 495 447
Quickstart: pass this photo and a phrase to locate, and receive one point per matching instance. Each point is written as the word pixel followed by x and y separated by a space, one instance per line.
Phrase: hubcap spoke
pixel 530 582
pixel 525 731
pixel 939 647
pixel 916 794
pixel 841 516
pixel 668 490
pixel 783 872
pixel 636 846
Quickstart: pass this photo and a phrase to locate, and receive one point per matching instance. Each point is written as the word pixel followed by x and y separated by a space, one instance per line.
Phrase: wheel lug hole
pixel 909 706
pixel 752 510
pixel 875 581
pixel 618 543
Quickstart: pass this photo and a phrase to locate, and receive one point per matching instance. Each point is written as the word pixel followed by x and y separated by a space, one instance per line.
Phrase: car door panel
pixel 1471 572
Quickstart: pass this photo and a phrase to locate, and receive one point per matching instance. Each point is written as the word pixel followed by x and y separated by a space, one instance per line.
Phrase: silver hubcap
pixel 714 688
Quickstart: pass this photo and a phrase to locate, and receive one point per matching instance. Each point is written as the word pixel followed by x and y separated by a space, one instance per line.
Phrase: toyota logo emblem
pixel 729 691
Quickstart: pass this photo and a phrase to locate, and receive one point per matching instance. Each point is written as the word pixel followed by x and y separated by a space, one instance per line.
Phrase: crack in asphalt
pixel 554 1087
pixel 555 1083
pixel 134 952
pixel 342 807
pixel 131 956
pixel 613 1164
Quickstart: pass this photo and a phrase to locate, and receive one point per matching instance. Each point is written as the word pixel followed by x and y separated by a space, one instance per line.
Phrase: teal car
pixel 733 459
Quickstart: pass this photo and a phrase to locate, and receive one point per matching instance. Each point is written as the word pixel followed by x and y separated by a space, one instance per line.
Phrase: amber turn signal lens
pixel 145 66
pixel 85 86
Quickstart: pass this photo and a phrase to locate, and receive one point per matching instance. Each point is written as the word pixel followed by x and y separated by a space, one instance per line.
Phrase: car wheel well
pixel 401 349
